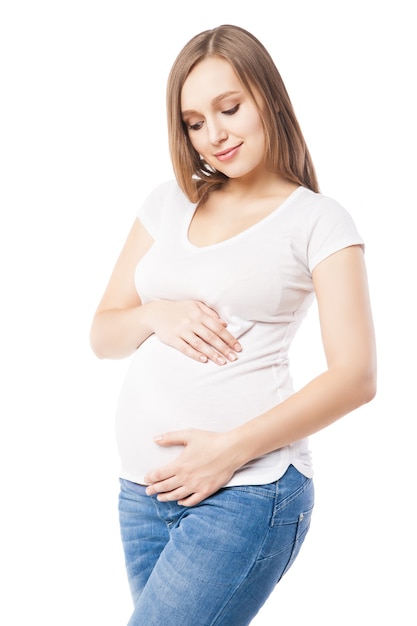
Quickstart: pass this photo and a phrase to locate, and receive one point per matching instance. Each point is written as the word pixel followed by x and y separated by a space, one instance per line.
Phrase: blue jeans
pixel 216 563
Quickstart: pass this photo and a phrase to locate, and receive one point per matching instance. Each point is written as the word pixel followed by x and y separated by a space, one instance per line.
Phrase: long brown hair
pixel 287 153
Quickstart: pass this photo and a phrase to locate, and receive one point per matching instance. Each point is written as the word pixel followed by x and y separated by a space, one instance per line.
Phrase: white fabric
pixel 260 283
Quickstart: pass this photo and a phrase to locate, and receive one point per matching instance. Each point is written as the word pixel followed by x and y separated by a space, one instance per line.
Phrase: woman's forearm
pixel 117 333
pixel 188 326
pixel 325 399
pixel 348 338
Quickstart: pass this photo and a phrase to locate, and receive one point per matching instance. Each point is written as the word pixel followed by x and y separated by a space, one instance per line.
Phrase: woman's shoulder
pixel 315 200
pixel 163 205
pixel 168 190
pixel 328 226
pixel 166 193
pixel 310 207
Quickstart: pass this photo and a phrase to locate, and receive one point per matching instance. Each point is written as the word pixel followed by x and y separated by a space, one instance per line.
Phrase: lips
pixel 225 155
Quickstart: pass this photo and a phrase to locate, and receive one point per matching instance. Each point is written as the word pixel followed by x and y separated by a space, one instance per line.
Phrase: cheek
pixel 251 126
pixel 255 125
pixel 196 140
pixel 258 131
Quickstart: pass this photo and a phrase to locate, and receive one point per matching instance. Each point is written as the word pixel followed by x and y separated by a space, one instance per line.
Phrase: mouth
pixel 225 155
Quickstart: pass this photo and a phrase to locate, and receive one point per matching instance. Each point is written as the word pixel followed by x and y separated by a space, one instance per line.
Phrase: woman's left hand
pixel 204 466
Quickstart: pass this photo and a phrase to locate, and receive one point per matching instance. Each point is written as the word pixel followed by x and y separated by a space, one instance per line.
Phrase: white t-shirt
pixel 259 282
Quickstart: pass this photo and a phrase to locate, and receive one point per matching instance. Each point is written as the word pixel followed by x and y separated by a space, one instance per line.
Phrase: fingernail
pixel 237 347
pixel 221 360
pixel 232 356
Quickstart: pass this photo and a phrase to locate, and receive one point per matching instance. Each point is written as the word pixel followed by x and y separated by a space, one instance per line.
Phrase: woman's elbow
pixel 370 389
pixel 365 386
pixel 357 385
pixel 97 339
pixel 96 345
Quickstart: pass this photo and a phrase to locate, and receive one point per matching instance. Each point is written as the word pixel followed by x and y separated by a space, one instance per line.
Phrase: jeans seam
pixel 279 507
pixel 243 581
pixel 252 489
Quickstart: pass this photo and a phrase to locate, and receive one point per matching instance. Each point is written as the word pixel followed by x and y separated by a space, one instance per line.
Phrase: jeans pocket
pixel 302 526
pixel 290 520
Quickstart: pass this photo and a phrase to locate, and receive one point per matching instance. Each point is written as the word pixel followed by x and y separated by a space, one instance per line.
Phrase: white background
pixel 83 140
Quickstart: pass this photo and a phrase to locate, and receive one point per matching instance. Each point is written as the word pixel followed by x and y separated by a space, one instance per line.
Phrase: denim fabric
pixel 216 563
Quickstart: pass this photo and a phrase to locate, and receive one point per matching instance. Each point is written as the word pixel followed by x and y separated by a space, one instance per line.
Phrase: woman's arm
pixel 118 327
pixel 341 287
pixel 210 459
pixel 122 323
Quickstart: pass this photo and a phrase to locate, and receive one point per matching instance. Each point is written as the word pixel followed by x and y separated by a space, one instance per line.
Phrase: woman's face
pixel 223 123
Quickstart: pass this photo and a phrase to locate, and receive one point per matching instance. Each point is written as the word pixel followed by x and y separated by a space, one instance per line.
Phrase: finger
pixel 187 348
pixel 176 438
pixel 211 313
pixel 157 486
pixel 180 494
pixel 167 488
pixel 193 499
pixel 207 343
pixel 219 338
pixel 157 477
pixel 205 350
pixel 197 349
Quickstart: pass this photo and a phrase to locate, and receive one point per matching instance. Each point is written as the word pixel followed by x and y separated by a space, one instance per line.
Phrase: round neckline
pixel 243 233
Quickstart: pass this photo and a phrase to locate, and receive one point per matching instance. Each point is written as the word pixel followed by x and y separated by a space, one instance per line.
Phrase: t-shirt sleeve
pixel 331 229
pixel 151 210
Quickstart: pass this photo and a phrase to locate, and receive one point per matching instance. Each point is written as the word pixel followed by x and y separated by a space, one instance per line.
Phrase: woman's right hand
pixel 122 323
pixel 194 329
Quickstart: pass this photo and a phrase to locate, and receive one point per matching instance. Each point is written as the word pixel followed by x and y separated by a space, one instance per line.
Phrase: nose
pixel 216 132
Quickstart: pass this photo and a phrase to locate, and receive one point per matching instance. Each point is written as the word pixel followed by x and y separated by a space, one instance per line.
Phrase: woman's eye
pixel 232 111
pixel 195 126
pixel 199 125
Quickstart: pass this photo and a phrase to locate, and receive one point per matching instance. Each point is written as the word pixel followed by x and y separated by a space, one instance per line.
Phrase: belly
pixel 167 391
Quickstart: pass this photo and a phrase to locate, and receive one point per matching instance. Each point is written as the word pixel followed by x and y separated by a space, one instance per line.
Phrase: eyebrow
pixel 216 100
